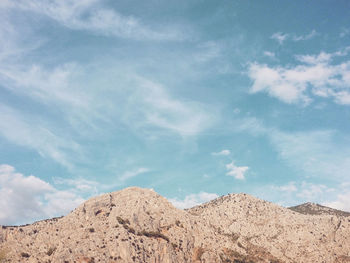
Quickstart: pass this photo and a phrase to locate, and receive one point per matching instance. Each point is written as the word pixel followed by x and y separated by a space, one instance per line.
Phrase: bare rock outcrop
pixel 138 225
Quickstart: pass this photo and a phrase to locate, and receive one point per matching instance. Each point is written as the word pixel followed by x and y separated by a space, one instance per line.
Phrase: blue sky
pixel 194 99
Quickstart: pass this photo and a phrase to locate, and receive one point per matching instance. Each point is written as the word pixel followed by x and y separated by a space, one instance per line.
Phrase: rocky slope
pixel 138 225
pixel 316 209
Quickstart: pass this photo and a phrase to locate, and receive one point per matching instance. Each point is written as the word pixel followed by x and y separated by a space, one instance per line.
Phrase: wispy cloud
pixel 315 153
pixel 317 75
pixel 18 129
pixel 312 34
pixel 130 174
pixel 221 153
pixel 281 37
pixel 81 184
pixel 344 32
pixel 235 171
pixel 46 86
pixel 88 15
pixel 269 54
pixel 158 108
pixel 193 200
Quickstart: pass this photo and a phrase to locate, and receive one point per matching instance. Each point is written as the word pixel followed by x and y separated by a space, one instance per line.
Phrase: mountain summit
pixel 138 225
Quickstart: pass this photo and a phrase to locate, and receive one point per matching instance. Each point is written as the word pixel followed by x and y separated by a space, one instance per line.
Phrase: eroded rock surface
pixel 138 225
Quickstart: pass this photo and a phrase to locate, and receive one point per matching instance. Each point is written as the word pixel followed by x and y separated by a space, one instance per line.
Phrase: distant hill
pixel 138 225
pixel 316 209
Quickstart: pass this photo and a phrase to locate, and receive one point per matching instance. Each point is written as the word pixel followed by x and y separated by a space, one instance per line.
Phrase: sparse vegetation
pixel 153 234
pixel 25 255
pixel 178 223
pixel 234 237
pixel 122 221
pixel 129 229
pixel 50 251
pixel 92 230
pixel 98 212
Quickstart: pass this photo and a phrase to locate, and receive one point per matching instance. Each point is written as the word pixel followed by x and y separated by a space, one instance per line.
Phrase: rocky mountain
pixel 316 209
pixel 138 225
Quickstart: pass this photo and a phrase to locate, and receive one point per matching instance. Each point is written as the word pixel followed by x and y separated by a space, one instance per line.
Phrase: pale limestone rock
pixel 138 225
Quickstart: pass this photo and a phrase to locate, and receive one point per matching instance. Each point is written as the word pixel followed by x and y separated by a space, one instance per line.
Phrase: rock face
pixel 138 225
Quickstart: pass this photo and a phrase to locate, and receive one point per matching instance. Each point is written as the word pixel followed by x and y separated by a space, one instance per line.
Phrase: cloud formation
pixel 281 37
pixel 88 15
pixel 315 75
pixel 193 200
pixel 18 130
pixel 27 198
pixel 316 153
pixel 221 153
pixel 235 171
pixel 130 174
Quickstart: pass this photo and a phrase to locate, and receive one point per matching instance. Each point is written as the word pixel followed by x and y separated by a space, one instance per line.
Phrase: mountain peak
pixel 139 225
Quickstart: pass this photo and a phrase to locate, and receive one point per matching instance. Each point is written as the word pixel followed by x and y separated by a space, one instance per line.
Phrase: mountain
pixel 138 225
pixel 316 209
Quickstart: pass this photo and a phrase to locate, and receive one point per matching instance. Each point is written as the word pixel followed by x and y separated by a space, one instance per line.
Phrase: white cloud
pixel 193 200
pixel 341 202
pixel 18 129
pixel 46 86
pixel 311 59
pixel 27 198
pixel 312 34
pixel 90 16
pixel 311 191
pixel 279 37
pixel 236 171
pixel 208 51
pixel 156 107
pixel 129 174
pixel 221 153
pixel 317 75
pixel 295 193
pixel 81 184
pixel 269 54
pixel 315 153
pixel 273 82
pixel 288 188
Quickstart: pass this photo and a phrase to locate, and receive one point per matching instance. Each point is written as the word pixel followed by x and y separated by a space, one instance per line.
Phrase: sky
pixel 194 99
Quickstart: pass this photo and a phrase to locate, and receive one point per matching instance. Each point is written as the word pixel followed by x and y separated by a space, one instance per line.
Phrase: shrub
pixel 122 221
pixel 25 255
pixel 50 251
pixel 154 234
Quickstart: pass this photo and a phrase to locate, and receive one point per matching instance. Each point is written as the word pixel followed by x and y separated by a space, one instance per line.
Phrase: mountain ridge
pixel 139 225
